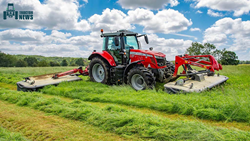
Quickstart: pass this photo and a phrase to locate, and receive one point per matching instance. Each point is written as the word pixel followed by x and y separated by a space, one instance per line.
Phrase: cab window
pixel 111 44
pixel 104 43
pixel 131 42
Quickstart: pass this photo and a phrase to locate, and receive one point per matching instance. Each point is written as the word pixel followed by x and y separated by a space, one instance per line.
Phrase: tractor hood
pixel 155 53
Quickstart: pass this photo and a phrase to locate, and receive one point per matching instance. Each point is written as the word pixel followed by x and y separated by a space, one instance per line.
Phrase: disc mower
pixel 123 61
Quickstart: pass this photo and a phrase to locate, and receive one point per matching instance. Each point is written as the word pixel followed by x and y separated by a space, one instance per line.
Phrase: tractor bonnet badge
pixel 11 12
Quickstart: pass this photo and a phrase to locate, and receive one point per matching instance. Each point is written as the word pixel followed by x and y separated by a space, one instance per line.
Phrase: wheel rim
pixel 138 82
pixel 98 72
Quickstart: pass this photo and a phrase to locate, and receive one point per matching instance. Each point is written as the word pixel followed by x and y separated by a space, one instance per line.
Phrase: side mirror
pixel 146 38
pixel 116 41
pixel 139 43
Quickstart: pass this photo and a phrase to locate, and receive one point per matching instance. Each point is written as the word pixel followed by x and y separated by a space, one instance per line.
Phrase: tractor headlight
pixel 160 61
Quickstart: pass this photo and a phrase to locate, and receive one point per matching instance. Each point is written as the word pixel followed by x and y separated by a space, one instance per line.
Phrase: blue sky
pixel 71 27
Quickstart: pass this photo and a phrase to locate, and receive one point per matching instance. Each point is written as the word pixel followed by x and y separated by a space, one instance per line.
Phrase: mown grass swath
pixel 6 135
pixel 121 121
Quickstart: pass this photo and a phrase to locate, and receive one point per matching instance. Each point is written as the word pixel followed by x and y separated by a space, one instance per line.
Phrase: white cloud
pixel 38 43
pixel 198 11
pixel 195 29
pixel 59 14
pixel 21 35
pixel 165 21
pixel 239 7
pixel 185 35
pixel 150 4
pixel 228 29
pixel 57 34
pixel 110 20
pixel 214 14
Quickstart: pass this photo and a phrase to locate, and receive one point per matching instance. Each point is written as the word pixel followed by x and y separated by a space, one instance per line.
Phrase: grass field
pixel 222 113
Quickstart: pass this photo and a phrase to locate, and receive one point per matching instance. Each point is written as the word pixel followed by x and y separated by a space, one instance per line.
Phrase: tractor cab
pixel 119 44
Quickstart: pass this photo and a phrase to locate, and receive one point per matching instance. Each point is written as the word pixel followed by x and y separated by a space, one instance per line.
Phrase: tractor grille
pixel 161 62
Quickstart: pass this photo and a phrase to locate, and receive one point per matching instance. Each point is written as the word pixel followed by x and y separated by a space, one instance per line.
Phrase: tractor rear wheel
pixel 141 78
pixel 99 71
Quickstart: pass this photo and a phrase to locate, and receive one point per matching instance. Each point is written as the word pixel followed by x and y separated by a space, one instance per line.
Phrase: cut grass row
pixel 121 121
pixel 39 126
pixel 237 125
pixel 6 135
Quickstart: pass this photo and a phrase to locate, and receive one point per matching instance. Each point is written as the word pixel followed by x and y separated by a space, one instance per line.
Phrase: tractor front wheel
pixel 170 67
pixel 141 78
pixel 99 71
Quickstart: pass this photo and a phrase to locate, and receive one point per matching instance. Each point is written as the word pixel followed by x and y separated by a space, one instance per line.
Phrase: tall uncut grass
pixel 6 135
pixel 121 121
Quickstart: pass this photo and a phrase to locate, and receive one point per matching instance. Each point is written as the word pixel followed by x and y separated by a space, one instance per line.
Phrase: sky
pixel 71 28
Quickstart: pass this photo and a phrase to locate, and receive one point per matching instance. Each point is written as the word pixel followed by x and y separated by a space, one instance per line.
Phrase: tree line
pixel 223 56
pixel 245 62
pixel 8 60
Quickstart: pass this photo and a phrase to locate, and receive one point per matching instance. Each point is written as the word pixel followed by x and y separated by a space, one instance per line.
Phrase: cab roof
pixel 118 33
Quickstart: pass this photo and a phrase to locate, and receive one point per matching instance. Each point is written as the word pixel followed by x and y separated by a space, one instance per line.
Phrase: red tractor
pixel 123 61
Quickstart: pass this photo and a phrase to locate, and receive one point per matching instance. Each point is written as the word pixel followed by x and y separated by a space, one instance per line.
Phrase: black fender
pixel 128 67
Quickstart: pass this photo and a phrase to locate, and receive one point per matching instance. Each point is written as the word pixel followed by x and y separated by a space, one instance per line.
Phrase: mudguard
pixel 105 55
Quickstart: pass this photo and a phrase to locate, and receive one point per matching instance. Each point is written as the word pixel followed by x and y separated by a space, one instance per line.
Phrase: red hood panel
pixel 148 52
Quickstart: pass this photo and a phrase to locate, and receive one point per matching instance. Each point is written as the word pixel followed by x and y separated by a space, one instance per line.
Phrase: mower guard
pixel 197 86
pixel 37 82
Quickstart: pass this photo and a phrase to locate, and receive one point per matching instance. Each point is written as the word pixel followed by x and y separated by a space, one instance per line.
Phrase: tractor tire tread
pixel 145 73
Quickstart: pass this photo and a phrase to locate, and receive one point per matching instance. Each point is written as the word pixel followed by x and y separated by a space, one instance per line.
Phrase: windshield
pixel 131 42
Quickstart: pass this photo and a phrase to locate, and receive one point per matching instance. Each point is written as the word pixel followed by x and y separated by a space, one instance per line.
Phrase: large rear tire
pixel 141 78
pixel 99 71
